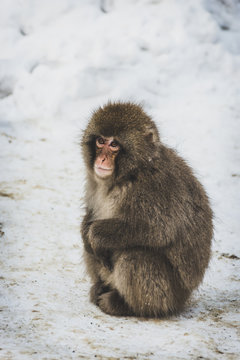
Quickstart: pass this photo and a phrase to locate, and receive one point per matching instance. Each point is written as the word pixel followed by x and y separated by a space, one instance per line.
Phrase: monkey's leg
pixel 113 304
pixel 148 283
pixel 94 268
pixel 98 289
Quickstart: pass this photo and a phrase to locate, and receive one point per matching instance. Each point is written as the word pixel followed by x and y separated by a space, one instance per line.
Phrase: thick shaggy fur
pixel 148 228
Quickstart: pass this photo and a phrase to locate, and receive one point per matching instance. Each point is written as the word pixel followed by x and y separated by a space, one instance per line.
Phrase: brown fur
pixel 148 227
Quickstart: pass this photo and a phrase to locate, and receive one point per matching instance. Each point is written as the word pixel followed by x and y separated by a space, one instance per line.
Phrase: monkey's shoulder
pixel 174 172
pixel 167 182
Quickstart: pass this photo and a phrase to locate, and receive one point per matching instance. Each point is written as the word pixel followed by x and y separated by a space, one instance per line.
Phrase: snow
pixel 59 60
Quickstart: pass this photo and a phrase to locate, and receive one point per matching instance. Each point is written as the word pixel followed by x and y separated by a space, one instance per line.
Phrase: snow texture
pixel 59 60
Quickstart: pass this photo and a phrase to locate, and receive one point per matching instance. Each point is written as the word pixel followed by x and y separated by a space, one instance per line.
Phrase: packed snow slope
pixel 59 60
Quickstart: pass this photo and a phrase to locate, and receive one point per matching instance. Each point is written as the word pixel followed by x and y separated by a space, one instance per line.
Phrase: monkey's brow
pixel 113 138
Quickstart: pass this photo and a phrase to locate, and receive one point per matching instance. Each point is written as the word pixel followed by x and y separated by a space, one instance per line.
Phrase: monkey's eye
pixel 114 145
pixel 100 141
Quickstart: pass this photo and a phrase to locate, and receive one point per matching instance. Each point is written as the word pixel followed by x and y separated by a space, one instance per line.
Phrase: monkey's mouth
pixel 102 171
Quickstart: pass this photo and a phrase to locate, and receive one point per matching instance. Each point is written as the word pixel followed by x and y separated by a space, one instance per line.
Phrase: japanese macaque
pixel 148 225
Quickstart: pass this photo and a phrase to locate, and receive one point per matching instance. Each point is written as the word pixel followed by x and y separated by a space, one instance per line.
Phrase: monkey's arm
pixel 86 223
pixel 113 234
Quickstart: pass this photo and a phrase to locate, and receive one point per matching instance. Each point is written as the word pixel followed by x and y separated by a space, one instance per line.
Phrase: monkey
pixel 148 226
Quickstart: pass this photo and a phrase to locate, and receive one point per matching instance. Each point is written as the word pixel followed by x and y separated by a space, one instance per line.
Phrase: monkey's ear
pixel 151 135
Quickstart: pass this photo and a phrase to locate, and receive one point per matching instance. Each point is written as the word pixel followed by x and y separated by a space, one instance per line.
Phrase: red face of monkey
pixel 106 152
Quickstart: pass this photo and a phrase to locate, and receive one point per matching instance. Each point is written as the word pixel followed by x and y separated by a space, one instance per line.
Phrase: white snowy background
pixel 59 60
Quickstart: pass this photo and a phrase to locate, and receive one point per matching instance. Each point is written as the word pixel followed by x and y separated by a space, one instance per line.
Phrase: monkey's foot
pixel 113 304
pixel 96 290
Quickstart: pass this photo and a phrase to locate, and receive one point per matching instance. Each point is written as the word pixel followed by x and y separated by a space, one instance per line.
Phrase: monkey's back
pixel 172 202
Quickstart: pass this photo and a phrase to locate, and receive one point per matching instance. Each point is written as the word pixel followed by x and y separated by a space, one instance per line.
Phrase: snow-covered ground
pixel 59 60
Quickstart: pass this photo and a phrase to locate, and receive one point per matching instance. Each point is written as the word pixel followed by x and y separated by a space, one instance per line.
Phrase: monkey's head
pixel 119 138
